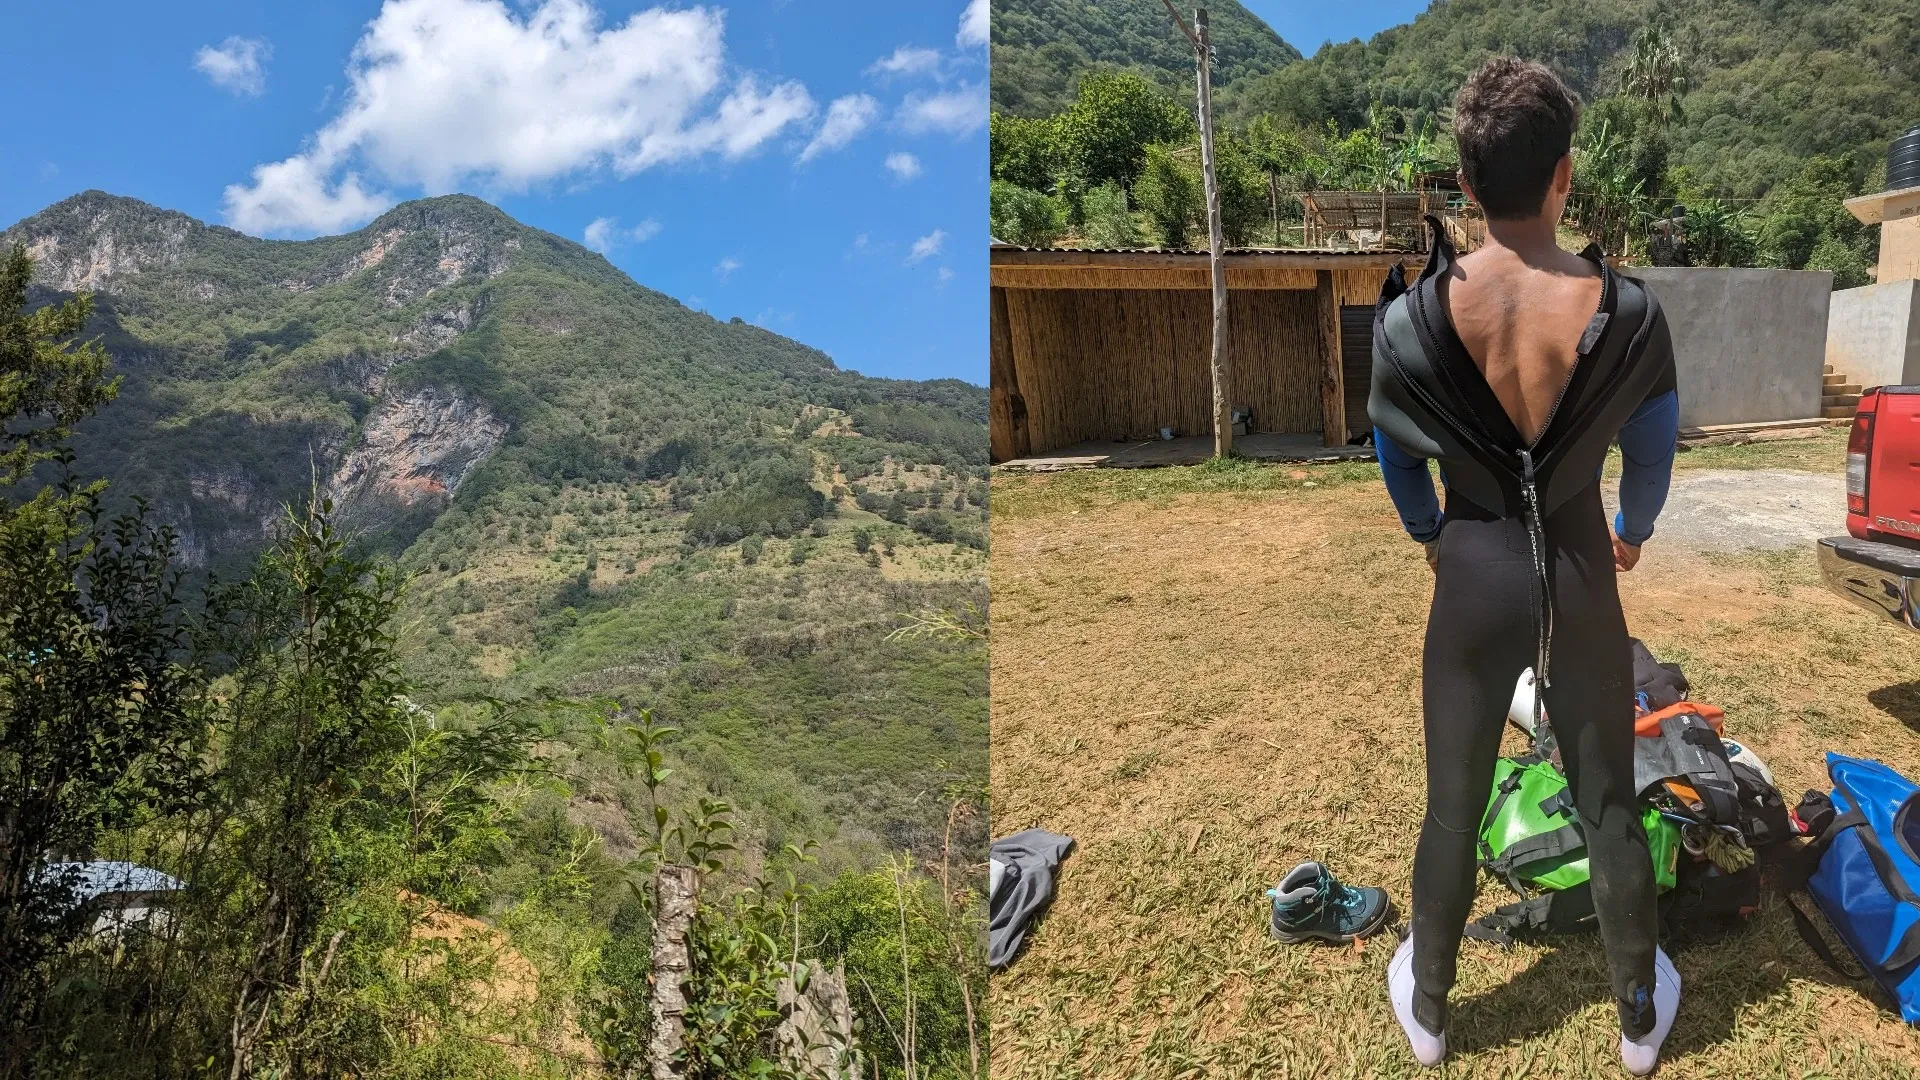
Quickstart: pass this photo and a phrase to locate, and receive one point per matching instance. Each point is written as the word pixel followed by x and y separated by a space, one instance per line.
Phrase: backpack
pixel 1862 872
pixel 1680 764
pixel 1531 839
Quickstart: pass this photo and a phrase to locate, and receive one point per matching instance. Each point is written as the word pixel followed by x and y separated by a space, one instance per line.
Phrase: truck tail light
pixel 1859 447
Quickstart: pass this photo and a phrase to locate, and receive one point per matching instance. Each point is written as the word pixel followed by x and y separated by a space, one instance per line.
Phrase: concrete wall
pixel 1873 334
pixel 1749 344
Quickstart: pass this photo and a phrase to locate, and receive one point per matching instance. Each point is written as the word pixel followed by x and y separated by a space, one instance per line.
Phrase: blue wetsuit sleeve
pixel 1410 486
pixel 1646 465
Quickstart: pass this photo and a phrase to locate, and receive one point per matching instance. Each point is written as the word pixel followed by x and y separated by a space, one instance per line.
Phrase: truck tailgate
pixel 1893 494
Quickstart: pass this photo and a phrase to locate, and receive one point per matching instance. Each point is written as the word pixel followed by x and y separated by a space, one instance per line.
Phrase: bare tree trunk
pixel 906 976
pixel 676 890
pixel 1222 409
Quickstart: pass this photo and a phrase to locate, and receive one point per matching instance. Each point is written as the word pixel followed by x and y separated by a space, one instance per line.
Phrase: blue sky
pixel 817 167
pixel 1307 26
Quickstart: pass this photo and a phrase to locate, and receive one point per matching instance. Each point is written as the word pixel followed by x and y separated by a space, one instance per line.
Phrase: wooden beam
pixel 1006 437
pixel 1333 382
pixel 1195 277
pixel 1177 260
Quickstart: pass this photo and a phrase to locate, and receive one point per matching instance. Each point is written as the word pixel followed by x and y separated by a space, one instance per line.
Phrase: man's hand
pixel 1625 555
pixel 1433 555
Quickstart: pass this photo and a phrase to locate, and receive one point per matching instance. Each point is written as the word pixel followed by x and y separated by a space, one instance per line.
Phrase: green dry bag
pixel 1531 837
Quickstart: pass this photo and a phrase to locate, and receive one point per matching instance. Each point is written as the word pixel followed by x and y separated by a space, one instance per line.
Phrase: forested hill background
pixel 595 490
pixel 1775 81
pixel 1041 47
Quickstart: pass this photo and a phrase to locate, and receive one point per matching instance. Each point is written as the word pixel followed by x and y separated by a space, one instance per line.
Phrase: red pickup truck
pixel 1877 565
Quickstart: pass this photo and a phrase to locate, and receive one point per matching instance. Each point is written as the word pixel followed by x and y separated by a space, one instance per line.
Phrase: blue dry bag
pixel 1863 872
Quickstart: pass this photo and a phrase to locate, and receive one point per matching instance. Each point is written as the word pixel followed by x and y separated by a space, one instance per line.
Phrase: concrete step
pixel 1841 388
pixel 1829 369
pixel 1831 379
pixel 1831 400
pixel 1837 412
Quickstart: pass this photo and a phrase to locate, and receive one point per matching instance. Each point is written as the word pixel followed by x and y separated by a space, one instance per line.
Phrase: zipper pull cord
pixel 1543 608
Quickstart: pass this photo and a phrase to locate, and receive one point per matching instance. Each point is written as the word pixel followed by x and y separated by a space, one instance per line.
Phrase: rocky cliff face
pixel 94 240
pixel 417 447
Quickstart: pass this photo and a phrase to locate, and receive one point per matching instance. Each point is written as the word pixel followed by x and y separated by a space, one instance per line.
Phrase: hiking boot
pixel 1309 903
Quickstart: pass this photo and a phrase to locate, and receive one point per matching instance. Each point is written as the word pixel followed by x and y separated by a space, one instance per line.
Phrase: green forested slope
pixel 595 489
pixel 1759 117
pixel 1776 81
pixel 1040 47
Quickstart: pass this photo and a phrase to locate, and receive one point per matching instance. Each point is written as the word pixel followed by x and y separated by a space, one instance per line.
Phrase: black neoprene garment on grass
pixel 1524 578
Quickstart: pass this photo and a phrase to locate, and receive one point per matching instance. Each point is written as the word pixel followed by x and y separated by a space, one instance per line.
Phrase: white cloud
pixel 927 246
pixel 903 165
pixel 725 268
pixel 49 170
pixel 237 64
pixel 846 117
pixel 945 275
pixel 974 26
pixel 956 112
pixel 906 60
pixel 599 234
pixel 603 234
pixel 444 94
pixel 296 194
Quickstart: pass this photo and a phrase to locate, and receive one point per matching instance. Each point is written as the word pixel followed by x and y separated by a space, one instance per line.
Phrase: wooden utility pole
pixel 1203 67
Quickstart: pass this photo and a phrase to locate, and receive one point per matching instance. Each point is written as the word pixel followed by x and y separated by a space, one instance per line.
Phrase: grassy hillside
pixel 595 489
pixel 1040 47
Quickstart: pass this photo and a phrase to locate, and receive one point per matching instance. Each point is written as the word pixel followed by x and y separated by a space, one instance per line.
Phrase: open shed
pixel 1091 348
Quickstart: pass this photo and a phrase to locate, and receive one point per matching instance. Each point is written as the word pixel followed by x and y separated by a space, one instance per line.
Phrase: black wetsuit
pixel 1524 578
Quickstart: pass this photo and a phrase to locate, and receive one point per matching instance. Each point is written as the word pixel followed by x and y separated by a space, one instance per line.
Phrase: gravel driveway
pixel 1741 509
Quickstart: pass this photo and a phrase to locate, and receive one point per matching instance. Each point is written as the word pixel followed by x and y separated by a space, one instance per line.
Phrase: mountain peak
pixel 93 208
pixel 440 210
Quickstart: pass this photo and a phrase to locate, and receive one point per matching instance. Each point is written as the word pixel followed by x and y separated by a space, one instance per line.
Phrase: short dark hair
pixel 1513 121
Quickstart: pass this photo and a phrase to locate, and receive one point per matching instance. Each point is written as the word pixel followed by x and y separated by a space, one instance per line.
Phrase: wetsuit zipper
pixel 1536 528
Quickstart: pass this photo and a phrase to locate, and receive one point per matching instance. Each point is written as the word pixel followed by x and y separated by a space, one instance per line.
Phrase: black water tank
pixel 1903 161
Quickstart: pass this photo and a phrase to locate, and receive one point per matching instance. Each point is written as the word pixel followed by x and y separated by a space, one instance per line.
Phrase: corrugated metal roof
pixel 99 878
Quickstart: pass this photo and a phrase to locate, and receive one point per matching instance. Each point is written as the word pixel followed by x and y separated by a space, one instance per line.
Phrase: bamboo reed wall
pixel 1104 346
pixel 1123 363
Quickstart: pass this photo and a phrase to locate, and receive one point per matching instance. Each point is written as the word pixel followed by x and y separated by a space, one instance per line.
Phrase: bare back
pixel 1522 323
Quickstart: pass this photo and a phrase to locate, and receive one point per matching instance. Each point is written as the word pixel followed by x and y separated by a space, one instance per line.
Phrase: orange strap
pixel 1649 724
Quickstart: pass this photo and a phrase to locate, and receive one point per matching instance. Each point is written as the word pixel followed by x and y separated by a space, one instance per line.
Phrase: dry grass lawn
pixel 1207 675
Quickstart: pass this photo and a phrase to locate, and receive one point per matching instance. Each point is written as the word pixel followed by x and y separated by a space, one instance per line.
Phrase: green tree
pixel 1660 73
pixel 1243 191
pixel 51 382
pixel 1027 218
pixel 1104 134
pixel 1109 223
pixel 96 728
pixel 1798 215
pixel 1169 191
pixel 1023 151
